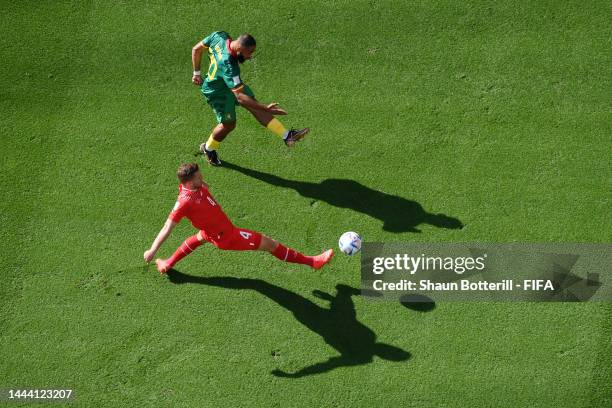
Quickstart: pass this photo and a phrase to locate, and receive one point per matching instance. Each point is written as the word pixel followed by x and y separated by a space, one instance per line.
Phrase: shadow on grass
pixel 338 324
pixel 419 303
pixel 397 213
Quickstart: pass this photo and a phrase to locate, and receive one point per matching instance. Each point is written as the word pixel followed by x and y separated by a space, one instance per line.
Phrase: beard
pixel 241 58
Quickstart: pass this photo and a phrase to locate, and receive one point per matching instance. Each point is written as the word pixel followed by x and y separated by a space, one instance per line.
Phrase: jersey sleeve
pixel 231 76
pixel 178 211
pixel 208 40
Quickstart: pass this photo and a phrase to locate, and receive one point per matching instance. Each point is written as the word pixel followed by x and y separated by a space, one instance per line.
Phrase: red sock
pixel 291 255
pixel 185 249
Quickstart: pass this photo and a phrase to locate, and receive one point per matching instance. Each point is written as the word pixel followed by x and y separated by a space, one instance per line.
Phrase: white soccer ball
pixel 350 243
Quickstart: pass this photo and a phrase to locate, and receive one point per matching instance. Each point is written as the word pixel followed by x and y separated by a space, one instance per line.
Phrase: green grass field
pixel 497 114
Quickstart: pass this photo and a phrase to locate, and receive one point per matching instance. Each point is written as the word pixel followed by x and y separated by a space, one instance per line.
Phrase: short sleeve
pixel 178 212
pixel 232 76
pixel 208 40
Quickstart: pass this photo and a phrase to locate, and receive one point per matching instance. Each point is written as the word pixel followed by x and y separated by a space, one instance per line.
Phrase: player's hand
pixel 196 80
pixel 148 255
pixel 274 109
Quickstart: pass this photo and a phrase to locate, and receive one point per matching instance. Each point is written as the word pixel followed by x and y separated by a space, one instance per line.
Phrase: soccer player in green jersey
pixel 223 89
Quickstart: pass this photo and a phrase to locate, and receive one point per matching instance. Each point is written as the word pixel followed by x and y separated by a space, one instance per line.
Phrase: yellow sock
pixel 212 144
pixel 277 128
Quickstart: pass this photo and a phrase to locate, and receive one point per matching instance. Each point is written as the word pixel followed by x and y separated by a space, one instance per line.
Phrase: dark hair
pixel 186 171
pixel 247 40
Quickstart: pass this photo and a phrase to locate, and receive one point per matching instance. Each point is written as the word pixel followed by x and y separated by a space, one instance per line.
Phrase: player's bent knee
pixel 267 244
pixel 228 126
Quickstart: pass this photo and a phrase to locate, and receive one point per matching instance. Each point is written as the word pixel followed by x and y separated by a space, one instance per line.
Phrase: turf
pixel 496 115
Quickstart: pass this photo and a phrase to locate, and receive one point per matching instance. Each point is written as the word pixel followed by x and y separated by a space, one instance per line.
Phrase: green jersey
pixel 224 70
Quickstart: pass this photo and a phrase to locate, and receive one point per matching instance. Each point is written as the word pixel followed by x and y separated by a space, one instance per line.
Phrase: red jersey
pixel 201 209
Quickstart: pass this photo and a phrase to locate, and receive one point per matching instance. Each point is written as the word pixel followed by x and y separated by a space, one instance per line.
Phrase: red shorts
pixel 237 239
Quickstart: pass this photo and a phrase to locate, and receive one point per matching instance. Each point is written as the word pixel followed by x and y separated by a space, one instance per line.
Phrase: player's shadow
pixel 397 213
pixel 338 324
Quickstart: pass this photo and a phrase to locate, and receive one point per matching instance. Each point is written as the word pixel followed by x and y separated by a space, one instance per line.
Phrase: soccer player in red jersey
pixel 197 205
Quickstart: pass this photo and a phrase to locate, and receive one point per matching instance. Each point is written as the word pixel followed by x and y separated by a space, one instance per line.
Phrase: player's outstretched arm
pixel 251 103
pixel 161 237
